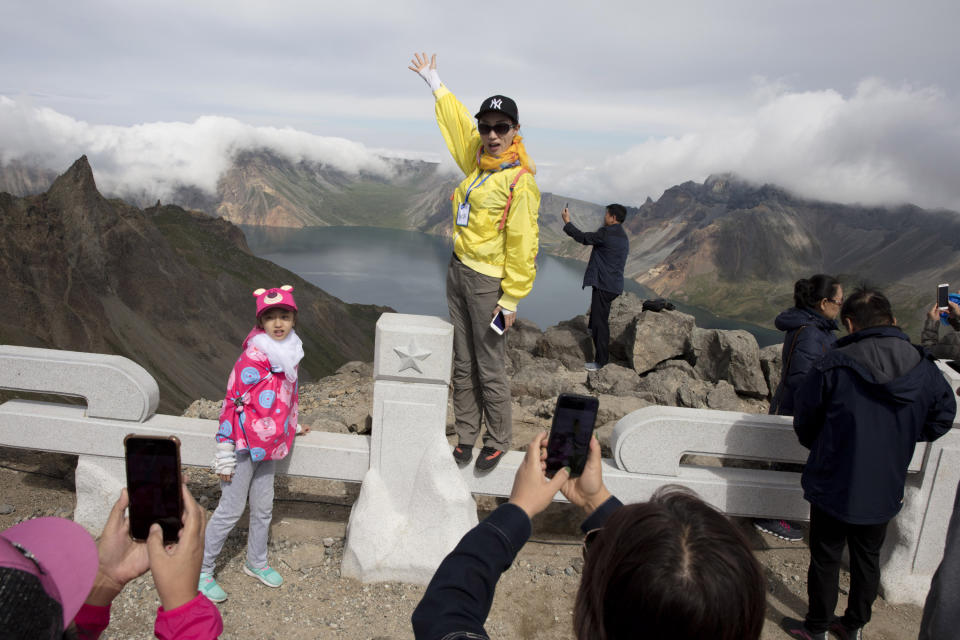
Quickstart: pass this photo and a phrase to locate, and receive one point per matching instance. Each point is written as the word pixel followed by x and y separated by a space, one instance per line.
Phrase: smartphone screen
pixel 153 484
pixel 570 433
pixel 943 297
pixel 498 324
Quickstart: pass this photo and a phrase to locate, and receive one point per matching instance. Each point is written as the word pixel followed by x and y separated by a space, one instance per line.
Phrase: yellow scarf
pixel 514 153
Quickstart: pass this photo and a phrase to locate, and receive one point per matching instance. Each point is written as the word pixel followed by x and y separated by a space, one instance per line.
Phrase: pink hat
pixel 59 552
pixel 270 298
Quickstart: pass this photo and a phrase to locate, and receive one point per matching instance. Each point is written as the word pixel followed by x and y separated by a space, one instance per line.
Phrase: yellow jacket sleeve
pixel 458 129
pixel 522 243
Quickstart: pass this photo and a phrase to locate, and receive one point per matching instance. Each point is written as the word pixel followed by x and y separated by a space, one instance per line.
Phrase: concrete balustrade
pixel 415 503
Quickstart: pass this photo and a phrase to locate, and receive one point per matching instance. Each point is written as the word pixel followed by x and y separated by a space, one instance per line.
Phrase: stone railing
pixel 415 503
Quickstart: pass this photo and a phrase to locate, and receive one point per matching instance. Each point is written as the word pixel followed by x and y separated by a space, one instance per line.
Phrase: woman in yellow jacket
pixel 495 239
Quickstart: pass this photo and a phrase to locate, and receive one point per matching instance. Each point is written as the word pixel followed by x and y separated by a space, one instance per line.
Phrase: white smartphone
pixel 943 297
pixel 498 324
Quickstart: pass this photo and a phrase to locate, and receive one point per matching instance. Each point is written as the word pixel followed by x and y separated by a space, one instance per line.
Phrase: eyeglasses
pixel 836 302
pixel 588 540
pixel 501 128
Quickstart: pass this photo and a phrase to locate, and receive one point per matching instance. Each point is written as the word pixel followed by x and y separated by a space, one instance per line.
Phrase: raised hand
pixel 121 559
pixel 419 63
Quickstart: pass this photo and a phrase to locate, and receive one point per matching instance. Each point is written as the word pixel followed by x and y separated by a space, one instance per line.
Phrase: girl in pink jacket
pixel 257 427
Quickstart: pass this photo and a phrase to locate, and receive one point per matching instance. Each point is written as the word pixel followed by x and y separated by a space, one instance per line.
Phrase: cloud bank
pixel 882 145
pixel 159 157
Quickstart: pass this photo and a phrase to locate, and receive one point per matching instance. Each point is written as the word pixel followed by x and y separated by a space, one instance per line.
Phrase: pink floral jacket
pixel 260 409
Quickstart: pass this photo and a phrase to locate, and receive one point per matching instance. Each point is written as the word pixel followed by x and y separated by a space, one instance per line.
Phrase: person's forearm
pixel 461 592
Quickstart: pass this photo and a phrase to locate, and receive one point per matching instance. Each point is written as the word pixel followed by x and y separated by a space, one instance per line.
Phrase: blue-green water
pixel 406 270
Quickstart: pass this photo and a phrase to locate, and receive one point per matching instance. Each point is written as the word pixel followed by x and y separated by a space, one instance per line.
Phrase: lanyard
pixel 466 198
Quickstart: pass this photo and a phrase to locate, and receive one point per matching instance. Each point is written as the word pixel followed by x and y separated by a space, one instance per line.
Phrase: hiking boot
pixel 209 587
pixel 797 629
pixel 267 575
pixel 488 458
pixel 591 366
pixel 462 453
pixel 780 528
pixel 844 632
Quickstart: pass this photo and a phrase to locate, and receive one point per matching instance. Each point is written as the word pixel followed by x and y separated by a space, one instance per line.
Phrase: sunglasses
pixel 501 128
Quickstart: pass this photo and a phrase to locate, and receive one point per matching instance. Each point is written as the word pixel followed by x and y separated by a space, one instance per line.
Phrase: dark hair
pixel 27 611
pixel 807 293
pixel 672 567
pixel 867 308
pixel 618 211
pixel 260 317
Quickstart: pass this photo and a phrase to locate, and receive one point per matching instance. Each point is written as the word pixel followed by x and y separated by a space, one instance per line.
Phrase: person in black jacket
pixel 809 327
pixel 604 273
pixel 672 567
pixel 861 410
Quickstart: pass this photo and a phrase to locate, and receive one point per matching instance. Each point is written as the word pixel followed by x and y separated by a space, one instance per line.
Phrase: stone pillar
pixel 414 506
pixel 99 481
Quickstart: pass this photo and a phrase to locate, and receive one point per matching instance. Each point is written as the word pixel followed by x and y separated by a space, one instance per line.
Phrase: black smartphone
pixel 943 297
pixel 498 324
pixel 570 433
pixel 153 484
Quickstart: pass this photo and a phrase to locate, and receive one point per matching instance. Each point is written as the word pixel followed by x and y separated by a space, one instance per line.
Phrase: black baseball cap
pixel 500 104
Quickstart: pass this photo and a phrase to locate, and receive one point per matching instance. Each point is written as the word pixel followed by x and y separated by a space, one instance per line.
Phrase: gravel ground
pixel 534 597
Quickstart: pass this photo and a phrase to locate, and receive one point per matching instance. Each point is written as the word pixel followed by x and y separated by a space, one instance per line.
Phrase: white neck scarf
pixel 284 354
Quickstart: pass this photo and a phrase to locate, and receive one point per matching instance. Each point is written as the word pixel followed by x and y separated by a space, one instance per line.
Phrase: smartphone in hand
pixel 498 324
pixel 570 433
pixel 153 484
pixel 943 297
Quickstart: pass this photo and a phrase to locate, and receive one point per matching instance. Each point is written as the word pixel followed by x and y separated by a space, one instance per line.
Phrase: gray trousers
pixel 941 613
pixel 253 479
pixel 480 385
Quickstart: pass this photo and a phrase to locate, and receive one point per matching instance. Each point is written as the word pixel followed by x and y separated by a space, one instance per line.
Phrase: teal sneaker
pixel 209 587
pixel 266 575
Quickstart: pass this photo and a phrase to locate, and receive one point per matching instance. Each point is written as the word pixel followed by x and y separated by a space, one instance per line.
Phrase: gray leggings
pixel 249 478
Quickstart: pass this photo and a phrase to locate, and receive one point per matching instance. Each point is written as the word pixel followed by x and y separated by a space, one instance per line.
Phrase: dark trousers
pixel 827 537
pixel 599 324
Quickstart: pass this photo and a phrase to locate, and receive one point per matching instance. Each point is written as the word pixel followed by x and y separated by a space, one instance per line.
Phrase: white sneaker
pixel 591 366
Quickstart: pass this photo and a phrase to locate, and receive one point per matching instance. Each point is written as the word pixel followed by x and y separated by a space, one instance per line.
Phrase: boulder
pixel 729 355
pixel 540 379
pixel 771 363
pixel 664 382
pixel 623 314
pixel 613 407
pixel 659 336
pixel 523 336
pixel 613 379
pixel 567 342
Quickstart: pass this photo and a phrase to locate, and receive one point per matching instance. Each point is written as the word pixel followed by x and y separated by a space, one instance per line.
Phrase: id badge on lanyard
pixel 463 209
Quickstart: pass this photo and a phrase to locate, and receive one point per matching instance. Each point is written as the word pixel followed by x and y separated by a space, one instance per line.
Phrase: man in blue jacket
pixel 604 273
pixel 861 410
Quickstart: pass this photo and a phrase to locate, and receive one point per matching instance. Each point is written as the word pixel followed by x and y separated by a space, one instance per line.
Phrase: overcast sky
pixel 848 101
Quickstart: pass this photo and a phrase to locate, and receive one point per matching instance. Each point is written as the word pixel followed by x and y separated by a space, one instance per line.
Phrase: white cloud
pixel 155 158
pixel 880 145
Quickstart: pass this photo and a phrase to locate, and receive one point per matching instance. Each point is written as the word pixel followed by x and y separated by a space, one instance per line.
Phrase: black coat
pixel 608 257
pixel 861 410
pixel 809 336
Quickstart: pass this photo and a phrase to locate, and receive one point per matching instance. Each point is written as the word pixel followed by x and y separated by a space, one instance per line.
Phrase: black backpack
pixel 657 304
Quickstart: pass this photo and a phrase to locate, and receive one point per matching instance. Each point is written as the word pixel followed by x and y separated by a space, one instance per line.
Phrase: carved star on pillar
pixel 410 355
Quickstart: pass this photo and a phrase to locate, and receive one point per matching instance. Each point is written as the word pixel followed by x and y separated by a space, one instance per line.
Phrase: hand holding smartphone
pixel 943 297
pixel 153 484
pixel 570 433
pixel 498 323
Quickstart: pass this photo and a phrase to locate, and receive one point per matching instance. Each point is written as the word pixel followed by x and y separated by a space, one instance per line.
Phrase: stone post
pixel 414 505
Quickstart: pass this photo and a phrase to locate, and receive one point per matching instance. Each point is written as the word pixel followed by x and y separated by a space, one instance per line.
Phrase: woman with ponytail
pixel 495 240
pixel 809 325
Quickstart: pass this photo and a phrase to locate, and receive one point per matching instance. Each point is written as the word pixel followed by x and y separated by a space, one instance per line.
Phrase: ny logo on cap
pixel 495 103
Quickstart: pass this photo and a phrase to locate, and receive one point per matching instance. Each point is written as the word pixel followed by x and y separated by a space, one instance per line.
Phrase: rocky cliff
pixel 165 287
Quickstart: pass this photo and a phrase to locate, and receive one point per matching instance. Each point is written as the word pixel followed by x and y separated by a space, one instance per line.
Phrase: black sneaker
pixel 797 629
pixel 488 458
pixel 780 528
pixel 462 453
pixel 844 632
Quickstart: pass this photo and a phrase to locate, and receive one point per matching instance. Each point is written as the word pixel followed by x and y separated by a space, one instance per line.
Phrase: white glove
pixel 431 77
pixel 226 459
